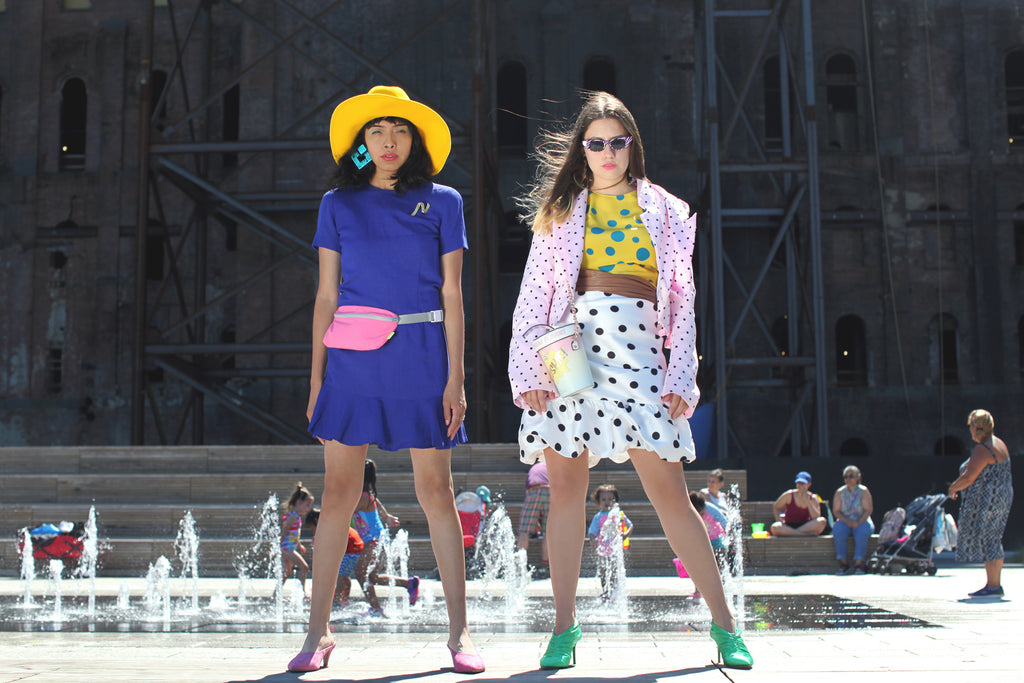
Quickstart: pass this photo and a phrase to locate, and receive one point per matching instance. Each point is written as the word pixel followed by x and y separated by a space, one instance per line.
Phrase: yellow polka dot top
pixel 616 240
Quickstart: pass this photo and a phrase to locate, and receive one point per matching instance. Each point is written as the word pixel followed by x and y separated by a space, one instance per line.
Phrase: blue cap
pixel 803 477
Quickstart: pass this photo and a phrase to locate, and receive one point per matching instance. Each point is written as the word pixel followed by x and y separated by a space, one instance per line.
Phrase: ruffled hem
pixel 392 425
pixel 608 428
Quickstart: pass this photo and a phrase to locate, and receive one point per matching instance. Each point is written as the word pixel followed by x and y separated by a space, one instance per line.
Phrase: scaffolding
pixel 197 179
pixel 764 183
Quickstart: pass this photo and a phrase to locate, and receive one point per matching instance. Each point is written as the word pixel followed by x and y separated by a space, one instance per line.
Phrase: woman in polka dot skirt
pixel 615 250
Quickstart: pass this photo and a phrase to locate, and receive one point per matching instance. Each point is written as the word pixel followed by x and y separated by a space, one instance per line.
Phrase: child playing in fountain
pixel 602 533
pixel 343 587
pixel 714 520
pixel 370 527
pixel 292 550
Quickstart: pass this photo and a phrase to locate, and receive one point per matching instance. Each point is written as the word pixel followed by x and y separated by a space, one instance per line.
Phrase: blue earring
pixel 361 158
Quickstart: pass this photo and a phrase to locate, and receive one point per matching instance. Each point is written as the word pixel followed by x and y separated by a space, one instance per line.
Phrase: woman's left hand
pixel 453 403
pixel 676 405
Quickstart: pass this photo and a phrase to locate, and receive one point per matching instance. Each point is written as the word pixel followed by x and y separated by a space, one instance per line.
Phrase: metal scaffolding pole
pixel 748 353
pixel 200 179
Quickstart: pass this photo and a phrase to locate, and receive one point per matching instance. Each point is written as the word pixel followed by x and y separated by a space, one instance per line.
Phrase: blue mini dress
pixel 391 246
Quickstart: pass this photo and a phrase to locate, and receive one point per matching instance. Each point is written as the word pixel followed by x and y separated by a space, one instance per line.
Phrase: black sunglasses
pixel 616 144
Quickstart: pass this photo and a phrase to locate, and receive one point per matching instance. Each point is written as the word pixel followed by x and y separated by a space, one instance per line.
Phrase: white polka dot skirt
pixel 624 411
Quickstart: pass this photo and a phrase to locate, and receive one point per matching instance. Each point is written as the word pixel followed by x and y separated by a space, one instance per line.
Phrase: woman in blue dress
pixel 389 238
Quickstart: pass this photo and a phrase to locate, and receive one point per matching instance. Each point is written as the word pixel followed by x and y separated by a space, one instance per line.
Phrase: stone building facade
pixel 923 241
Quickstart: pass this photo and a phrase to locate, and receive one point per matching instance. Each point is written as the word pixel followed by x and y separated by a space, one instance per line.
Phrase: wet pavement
pixel 894 627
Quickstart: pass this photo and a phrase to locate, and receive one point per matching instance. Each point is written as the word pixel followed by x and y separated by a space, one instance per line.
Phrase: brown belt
pixel 632 286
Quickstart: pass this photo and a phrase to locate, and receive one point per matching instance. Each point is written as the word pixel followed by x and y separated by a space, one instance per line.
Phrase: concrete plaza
pixel 971 640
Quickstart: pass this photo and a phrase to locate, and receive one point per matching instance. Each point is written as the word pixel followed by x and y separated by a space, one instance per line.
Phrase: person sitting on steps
pixel 798 511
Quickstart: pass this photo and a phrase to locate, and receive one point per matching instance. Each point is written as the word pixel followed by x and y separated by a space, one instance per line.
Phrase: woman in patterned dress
pixel 614 252
pixel 987 488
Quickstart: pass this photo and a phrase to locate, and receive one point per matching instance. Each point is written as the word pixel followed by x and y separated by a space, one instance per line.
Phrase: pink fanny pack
pixel 365 328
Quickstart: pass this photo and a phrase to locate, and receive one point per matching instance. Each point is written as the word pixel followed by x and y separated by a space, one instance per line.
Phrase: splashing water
pixel 394 554
pixel 263 557
pixel 56 569
pixel 498 558
pixel 90 556
pixel 28 565
pixel 124 596
pixel 186 545
pixel 158 589
pixel 611 561
pixel 732 572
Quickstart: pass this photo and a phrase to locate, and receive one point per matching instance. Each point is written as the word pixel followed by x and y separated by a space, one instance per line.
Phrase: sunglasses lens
pixel 618 144
pixel 595 145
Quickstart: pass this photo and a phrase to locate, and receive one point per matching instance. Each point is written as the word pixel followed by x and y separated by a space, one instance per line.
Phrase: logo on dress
pixel 421 207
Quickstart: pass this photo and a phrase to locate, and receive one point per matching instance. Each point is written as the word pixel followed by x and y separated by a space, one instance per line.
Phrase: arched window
pixel 851 352
pixel 854 448
pixel 73 101
pixel 1014 69
pixel 944 353
pixel 231 123
pixel 1018 236
pixel 511 119
pixel 841 100
pixel 599 74
pixel 949 445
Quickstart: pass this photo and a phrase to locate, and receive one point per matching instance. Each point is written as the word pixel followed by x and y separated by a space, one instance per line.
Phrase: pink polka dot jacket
pixel 550 280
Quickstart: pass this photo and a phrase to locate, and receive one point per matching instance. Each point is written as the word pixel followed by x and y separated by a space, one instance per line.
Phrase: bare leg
pixel 436 495
pixel 292 559
pixel 813 527
pixel 569 479
pixel 993 573
pixel 665 486
pixel 343 482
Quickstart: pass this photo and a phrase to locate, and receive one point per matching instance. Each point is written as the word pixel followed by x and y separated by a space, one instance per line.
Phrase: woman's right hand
pixel 314 392
pixel 537 399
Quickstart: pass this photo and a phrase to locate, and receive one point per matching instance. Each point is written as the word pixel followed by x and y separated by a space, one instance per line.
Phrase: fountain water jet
pixel 56 569
pixel 124 596
pixel 90 556
pixel 498 558
pixel 732 572
pixel 186 544
pixel 613 565
pixel 28 565
pixel 158 589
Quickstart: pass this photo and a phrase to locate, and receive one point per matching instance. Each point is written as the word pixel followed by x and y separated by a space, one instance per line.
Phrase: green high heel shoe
pixel 731 649
pixel 561 648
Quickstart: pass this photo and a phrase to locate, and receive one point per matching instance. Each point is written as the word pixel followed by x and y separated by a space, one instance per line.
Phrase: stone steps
pixel 141 494
pixel 237 520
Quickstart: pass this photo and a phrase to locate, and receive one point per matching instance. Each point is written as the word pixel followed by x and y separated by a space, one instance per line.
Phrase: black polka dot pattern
pixel 621 413
pixel 545 297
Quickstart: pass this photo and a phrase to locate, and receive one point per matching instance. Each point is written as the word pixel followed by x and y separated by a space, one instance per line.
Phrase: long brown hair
pixel 562 170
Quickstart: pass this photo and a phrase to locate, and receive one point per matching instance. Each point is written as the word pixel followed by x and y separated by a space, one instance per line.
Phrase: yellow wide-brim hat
pixel 388 100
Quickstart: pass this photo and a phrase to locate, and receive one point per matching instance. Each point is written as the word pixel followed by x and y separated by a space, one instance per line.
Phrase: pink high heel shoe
pixel 464 663
pixel 311 661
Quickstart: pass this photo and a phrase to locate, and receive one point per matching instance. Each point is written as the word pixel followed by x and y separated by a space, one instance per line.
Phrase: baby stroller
pixel 912 549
